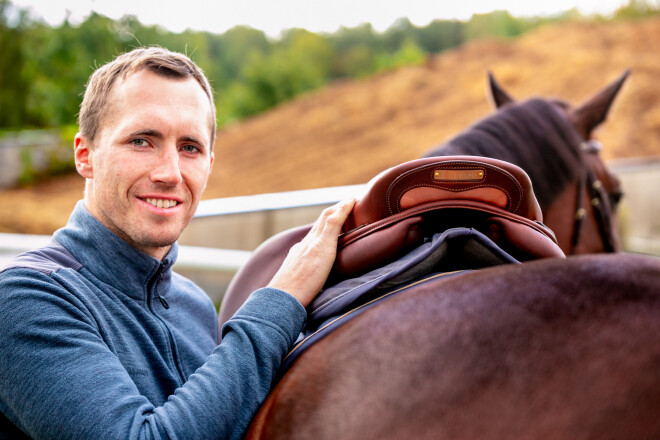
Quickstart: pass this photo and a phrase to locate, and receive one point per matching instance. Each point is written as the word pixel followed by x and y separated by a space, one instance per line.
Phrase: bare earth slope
pixel 350 131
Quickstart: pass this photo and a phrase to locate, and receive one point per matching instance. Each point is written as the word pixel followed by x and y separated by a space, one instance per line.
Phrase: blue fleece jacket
pixel 101 341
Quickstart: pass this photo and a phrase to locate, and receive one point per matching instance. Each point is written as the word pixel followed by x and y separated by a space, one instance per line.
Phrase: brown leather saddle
pixel 406 203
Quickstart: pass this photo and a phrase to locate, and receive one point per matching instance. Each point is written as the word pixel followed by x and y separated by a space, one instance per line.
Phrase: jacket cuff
pixel 276 307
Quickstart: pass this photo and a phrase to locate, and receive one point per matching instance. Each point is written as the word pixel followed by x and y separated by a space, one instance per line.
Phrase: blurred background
pixel 313 95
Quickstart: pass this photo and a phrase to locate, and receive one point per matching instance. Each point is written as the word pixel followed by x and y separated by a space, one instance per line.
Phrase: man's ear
pixel 82 154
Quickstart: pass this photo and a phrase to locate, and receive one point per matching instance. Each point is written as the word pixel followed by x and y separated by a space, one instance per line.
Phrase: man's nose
pixel 167 168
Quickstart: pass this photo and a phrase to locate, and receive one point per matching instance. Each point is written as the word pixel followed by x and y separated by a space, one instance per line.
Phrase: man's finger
pixel 336 217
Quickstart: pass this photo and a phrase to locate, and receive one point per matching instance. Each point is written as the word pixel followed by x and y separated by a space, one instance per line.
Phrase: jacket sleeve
pixel 58 379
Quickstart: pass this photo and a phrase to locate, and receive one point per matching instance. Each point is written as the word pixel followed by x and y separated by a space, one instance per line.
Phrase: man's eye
pixel 139 142
pixel 190 149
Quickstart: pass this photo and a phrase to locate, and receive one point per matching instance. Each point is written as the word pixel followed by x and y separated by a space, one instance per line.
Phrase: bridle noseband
pixel 598 198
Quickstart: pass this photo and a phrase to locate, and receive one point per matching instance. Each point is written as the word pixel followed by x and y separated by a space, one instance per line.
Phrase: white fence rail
pixel 225 231
pixel 190 257
pixel 640 209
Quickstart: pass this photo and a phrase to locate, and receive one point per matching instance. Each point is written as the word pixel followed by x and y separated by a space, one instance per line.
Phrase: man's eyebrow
pixel 192 139
pixel 147 132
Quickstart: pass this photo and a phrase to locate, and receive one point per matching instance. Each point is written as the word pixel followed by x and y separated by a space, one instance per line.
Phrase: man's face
pixel 150 161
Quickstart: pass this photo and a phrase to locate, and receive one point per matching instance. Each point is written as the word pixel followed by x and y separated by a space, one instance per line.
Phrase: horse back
pixel 554 348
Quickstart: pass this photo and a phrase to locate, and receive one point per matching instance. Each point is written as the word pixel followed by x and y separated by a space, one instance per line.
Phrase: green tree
pixel 399 34
pixel 355 62
pixel 493 24
pixel 60 61
pixel 355 51
pixel 408 54
pixel 233 50
pixel 299 63
pixel 363 35
pixel 637 9
pixel 440 35
pixel 13 82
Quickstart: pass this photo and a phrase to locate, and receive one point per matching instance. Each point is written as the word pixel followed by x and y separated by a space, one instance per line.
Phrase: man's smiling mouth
pixel 161 203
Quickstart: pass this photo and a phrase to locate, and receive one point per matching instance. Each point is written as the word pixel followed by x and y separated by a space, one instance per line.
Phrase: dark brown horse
pixel 554 348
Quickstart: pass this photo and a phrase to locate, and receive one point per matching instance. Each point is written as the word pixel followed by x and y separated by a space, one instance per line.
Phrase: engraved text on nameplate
pixel 458 175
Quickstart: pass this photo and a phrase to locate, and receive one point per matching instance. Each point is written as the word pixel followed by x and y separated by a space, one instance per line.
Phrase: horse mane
pixel 534 134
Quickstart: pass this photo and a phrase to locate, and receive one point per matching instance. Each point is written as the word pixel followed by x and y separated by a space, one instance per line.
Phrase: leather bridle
pixel 598 198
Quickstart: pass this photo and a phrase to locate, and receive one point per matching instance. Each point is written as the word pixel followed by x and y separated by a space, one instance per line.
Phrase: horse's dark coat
pixel 557 349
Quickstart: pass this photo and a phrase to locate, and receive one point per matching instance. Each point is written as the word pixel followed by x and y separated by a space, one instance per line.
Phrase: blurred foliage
pixel 33 155
pixel 43 69
pixel 638 9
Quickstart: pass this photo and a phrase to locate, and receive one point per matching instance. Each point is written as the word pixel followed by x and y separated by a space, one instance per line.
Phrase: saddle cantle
pixel 409 202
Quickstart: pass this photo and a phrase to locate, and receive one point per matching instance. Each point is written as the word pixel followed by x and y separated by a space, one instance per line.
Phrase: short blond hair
pixel 158 60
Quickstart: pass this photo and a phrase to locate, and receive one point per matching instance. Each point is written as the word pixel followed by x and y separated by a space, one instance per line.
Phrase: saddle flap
pixel 399 237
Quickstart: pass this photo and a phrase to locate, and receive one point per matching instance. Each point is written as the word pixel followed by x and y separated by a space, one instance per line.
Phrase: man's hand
pixel 308 264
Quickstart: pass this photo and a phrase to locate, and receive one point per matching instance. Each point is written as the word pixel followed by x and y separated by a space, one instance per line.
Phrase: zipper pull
pixel 163 302
pixel 159 276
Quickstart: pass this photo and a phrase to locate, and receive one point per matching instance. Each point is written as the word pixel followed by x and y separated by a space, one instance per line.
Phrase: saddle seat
pixel 411 201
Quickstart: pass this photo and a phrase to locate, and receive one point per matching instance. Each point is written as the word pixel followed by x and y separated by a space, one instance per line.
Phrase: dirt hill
pixel 350 131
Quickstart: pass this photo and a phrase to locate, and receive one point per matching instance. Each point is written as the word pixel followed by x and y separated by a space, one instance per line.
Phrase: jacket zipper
pixel 153 289
pixel 162 300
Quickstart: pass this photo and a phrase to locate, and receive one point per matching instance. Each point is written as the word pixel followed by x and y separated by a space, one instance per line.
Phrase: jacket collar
pixel 110 258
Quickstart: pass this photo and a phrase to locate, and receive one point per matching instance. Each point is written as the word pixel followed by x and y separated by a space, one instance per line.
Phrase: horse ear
pixel 497 93
pixel 593 112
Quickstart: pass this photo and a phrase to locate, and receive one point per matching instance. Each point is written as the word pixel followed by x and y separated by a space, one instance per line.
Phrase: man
pixel 98 337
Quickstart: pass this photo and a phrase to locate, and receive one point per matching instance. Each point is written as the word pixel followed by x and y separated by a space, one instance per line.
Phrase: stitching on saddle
pixel 455 165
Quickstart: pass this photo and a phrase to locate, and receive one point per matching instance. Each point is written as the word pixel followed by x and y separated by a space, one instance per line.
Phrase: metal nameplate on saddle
pixel 413 200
